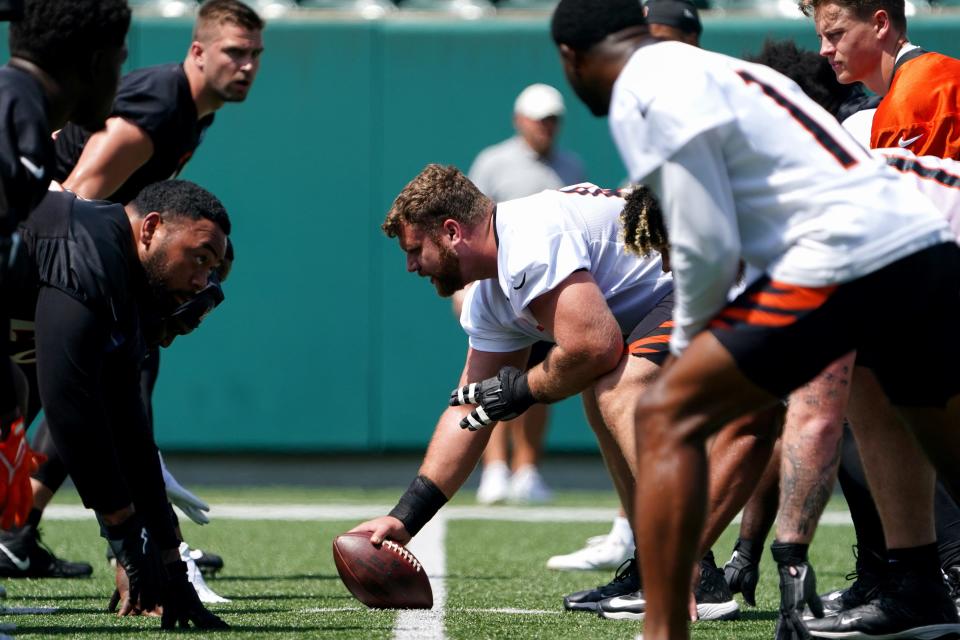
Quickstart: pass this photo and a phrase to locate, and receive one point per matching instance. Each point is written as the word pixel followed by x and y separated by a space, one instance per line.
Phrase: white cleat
pixel 205 593
pixel 494 483
pixel 601 552
pixel 527 486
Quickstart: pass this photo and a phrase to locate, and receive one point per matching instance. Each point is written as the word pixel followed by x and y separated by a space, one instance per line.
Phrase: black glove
pixel 136 553
pixel 501 398
pixel 743 572
pixel 182 605
pixel 798 587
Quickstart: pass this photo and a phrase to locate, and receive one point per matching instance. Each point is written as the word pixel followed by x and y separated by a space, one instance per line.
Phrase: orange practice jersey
pixel 921 112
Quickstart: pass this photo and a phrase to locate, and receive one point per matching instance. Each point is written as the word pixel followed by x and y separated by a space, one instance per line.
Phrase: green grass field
pixel 283 584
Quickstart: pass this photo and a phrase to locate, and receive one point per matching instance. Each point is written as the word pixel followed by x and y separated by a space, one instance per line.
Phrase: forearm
pixel 453 452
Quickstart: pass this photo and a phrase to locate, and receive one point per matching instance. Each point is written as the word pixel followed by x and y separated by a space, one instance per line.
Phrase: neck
pixel 880 83
pixel 484 251
pixel 58 106
pixel 206 101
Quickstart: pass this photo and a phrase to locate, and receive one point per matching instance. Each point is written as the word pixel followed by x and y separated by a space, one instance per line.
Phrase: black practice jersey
pixel 158 100
pixel 26 150
pixel 85 248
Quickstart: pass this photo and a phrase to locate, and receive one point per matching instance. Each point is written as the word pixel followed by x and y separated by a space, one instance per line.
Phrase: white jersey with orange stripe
pixel 541 240
pixel 747 166
pixel 937 178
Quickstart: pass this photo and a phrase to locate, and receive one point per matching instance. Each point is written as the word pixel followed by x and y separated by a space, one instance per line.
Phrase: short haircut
pixel 214 13
pixel 642 220
pixel 862 9
pixel 58 34
pixel 580 24
pixel 437 193
pixel 809 70
pixel 181 199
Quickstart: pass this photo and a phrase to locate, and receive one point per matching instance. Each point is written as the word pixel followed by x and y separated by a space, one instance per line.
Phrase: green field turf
pixel 283 584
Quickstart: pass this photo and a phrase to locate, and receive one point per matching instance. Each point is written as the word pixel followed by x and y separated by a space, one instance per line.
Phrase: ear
pixel 452 230
pixel 568 54
pixel 196 52
pixel 881 22
pixel 148 230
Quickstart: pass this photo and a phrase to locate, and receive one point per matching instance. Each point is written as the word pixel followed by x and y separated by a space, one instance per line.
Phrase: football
pixel 384 577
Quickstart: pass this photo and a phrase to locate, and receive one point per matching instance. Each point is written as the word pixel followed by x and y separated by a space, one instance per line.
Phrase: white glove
pixel 192 506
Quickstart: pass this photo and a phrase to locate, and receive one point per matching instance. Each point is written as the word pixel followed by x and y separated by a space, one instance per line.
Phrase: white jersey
pixel 747 166
pixel 937 178
pixel 541 240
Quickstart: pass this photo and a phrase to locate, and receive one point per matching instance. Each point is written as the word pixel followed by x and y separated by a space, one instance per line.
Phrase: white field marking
pixel 320 513
pixel 520 612
pixel 429 547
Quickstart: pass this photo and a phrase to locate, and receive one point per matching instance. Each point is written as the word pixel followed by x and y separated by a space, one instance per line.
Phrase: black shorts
pixel 903 320
pixel 651 338
pixel 538 352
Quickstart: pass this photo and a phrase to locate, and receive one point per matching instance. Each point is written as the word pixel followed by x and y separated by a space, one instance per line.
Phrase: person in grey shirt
pixel 530 161
pixel 525 164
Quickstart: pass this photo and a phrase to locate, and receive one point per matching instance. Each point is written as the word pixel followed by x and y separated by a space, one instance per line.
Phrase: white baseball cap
pixel 539 101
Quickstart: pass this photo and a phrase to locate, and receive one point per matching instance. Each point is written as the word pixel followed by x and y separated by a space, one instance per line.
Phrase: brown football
pixel 384 577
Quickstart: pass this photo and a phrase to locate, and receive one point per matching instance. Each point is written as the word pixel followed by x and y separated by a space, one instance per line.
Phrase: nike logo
pixel 903 144
pixel 32 168
pixel 846 620
pixel 23 565
pixel 522 281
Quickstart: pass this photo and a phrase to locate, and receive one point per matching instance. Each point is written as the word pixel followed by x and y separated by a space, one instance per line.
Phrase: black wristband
pixel 523 397
pixel 790 553
pixel 418 504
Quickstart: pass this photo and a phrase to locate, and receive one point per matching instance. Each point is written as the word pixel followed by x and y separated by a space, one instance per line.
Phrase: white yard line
pixel 350 512
pixel 429 548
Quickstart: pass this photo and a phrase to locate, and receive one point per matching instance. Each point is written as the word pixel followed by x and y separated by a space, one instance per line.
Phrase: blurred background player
pixel 157 121
pixel 65 64
pixel 527 163
pixel 670 20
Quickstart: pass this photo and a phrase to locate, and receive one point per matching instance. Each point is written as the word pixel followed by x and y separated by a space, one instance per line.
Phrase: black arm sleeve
pixel 91 397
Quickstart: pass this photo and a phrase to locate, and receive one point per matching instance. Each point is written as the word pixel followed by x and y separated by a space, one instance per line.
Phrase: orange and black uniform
pixel 921 111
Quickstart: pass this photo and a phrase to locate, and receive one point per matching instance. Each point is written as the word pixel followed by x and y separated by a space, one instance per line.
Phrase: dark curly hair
pixel 642 220
pixel 809 70
pixel 55 34
pixel 181 199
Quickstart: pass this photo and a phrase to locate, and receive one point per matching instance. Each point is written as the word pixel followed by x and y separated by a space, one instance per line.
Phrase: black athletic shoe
pixel 713 595
pixel 714 598
pixel 208 563
pixel 23 555
pixel 903 608
pixel 867 578
pixel 626 581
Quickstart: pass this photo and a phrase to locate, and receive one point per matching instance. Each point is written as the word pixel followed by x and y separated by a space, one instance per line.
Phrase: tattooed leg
pixel 811 450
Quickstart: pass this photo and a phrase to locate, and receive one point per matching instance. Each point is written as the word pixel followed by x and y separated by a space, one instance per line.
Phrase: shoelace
pixel 623 571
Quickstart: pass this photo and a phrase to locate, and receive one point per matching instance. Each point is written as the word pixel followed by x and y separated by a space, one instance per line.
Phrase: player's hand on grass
pixel 384 528
pixel 181 604
pixel 136 553
pixel 742 574
pixel 798 587
pixel 121 594
pixel 503 397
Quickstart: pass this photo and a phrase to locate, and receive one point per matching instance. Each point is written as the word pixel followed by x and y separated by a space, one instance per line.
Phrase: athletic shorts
pixel 901 319
pixel 538 352
pixel 651 338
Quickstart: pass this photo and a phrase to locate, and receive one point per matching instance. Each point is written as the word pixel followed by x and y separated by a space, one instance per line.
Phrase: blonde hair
pixel 437 193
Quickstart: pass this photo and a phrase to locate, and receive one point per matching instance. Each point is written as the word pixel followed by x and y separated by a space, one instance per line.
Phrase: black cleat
pixel 742 573
pixel 903 608
pixel 713 596
pixel 951 576
pixel 23 555
pixel 625 582
pixel 867 578
pixel 208 563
